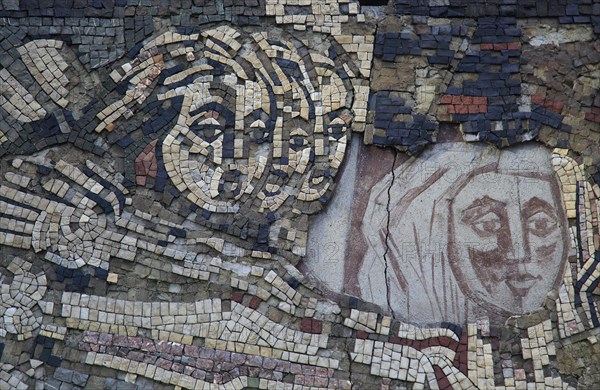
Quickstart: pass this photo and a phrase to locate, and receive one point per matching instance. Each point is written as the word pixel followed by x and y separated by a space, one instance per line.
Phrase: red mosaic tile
pixel 500 46
pixel 293 368
pixel 549 103
pixel 255 302
pixel 321 382
pixel 361 334
pixel 442 380
pixel 237 296
pixel 191 350
pixel 146 164
pixel 317 326
pixel 592 117
pixel 306 325
pixel 446 99
pixel 164 363
pixel 204 364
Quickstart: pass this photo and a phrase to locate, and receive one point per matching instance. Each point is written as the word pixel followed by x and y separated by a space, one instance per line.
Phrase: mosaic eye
pixel 207 129
pixel 299 141
pixel 487 224
pixel 208 121
pixel 541 224
pixel 336 128
pixel 258 124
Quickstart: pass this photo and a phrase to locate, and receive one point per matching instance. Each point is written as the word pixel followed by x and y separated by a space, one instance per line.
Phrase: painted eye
pixel 487 224
pixel 541 224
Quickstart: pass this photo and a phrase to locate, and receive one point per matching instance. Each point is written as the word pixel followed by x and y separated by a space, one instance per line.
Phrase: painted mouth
pixel 522 282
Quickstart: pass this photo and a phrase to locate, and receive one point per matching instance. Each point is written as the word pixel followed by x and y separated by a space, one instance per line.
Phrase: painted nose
pixel 515 245
pixel 525 268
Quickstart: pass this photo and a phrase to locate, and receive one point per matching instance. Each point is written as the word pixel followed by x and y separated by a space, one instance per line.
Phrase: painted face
pixel 255 128
pixel 513 239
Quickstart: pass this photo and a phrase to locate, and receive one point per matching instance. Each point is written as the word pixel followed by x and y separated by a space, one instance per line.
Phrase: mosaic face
pixel 254 125
pixel 507 239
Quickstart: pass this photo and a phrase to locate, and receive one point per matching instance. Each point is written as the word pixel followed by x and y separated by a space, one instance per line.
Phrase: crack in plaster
pixel 387 233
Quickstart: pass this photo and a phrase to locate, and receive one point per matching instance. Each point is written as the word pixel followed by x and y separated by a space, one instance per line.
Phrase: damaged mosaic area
pixel 161 165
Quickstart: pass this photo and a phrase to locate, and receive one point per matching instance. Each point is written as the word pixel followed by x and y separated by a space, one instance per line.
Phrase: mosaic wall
pixel 299 194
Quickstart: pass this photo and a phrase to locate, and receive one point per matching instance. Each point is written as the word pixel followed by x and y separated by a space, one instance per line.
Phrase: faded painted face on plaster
pixel 513 240
pixel 263 134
